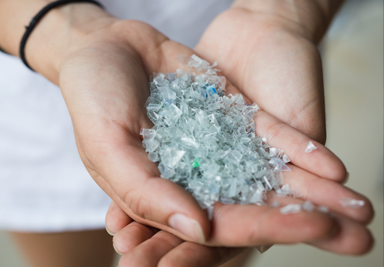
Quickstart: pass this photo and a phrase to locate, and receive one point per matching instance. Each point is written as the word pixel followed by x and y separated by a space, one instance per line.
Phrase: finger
pixel 133 182
pixel 320 161
pixel 279 134
pixel 116 219
pixel 344 238
pixel 132 236
pixel 352 239
pixel 323 192
pixel 349 237
pixel 251 225
pixel 150 252
pixel 190 254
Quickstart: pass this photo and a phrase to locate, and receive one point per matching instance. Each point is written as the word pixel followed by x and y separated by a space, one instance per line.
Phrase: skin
pixel 107 125
pixel 293 72
pixel 102 66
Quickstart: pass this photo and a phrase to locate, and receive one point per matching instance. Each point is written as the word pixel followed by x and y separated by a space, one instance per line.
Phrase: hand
pixel 104 81
pixel 273 62
pixel 145 246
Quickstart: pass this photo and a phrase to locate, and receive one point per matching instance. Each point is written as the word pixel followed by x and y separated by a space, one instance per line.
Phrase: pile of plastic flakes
pixel 205 141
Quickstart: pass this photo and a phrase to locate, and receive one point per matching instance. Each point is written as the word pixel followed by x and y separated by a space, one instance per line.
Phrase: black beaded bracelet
pixel 39 16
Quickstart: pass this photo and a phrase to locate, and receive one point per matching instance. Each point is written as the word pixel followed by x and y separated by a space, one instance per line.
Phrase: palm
pixel 106 103
pixel 278 70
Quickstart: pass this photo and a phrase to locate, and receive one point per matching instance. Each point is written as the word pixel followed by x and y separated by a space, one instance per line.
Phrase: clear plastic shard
pixel 310 147
pixel 286 159
pixel 166 172
pixel 171 156
pixel 153 156
pixel 323 209
pixel 210 212
pixel 295 208
pixel 148 133
pixel 308 206
pixel 284 191
pixel 278 165
pixel 290 209
pixel 351 203
pixel 205 140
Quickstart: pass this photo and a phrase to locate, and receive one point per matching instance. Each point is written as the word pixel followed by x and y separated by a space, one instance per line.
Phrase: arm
pixel 50 41
pixel 310 18
pixel 102 66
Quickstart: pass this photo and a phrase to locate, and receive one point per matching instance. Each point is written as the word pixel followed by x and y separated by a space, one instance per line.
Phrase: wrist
pixel 58 31
pixel 308 19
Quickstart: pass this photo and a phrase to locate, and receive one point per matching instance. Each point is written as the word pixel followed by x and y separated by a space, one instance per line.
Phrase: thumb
pixel 133 182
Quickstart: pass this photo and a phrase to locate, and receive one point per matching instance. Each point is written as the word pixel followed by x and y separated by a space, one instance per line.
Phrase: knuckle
pixel 138 206
pixel 274 130
pixel 136 202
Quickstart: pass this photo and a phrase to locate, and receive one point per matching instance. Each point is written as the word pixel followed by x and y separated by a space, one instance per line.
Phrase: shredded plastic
pixel 308 206
pixel 205 140
pixel 291 208
pixel 323 209
pixel 351 203
pixel 310 147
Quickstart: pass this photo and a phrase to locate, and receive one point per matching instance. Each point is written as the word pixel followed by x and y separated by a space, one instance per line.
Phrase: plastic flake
pixel 323 209
pixel 205 140
pixel 285 190
pixel 210 212
pixel 351 203
pixel 291 208
pixel 308 206
pixel 195 163
pixel 310 147
pixel 286 159
pixel 295 208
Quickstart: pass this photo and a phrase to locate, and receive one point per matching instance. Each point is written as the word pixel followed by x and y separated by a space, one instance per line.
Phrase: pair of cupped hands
pixel 272 62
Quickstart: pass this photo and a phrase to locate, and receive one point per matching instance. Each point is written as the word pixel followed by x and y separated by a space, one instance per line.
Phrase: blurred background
pixel 353 70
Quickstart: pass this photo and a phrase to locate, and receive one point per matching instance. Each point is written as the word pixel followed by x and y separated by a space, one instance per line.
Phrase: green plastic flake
pixel 195 163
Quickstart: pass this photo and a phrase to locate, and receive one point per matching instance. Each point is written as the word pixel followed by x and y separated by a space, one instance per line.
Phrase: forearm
pixel 310 17
pixel 50 40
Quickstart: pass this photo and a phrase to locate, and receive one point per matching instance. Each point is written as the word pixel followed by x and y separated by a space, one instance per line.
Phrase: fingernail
pixel 113 244
pixel 263 248
pixel 109 232
pixel 188 227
